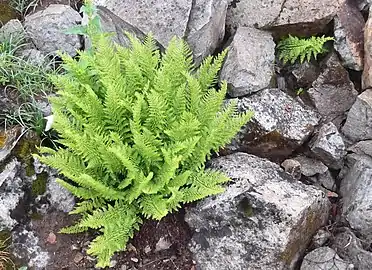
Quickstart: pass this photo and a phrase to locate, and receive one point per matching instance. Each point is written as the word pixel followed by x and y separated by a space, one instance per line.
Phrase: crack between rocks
pixel 187 30
pixel 277 17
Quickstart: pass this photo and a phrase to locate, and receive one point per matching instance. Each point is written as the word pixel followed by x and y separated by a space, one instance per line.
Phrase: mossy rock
pixel 24 150
pixel 39 185
pixel 6 13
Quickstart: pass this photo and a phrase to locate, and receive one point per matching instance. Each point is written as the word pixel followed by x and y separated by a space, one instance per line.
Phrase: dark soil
pixel 69 251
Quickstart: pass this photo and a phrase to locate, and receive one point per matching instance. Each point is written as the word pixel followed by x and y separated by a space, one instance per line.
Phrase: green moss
pixel 39 185
pixel 24 150
pixel 6 13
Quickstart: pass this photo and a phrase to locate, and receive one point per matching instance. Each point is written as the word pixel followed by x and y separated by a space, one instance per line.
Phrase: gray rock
pixel 356 189
pixel 303 17
pixel 46 29
pixel 206 27
pixel 364 4
pixel 33 56
pixel 311 166
pixel 329 146
pixel 11 194
pixel 12 30
pixel 164 19
pixel 333 93
pixel 324 258
pixel 11 138
pixel 279 126
pixel 358 126
pixel 292 167
pixel 264 218
pixel 362 148
pixel 305 74
pixel 249 66
pixel 26 245
pixel 327 181
pixel 321 237
pixel 349 35
pixel 349 246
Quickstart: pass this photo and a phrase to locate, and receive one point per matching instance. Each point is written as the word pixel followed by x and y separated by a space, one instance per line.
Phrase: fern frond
pixel 292 48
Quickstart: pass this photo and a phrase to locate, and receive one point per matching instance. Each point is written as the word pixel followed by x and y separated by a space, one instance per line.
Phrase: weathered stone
pixel 46 29
pixel 363 4
pixel 321 237
pixel 117 27
pixel 249 66
pixel 358 126
pixel 33 56
pixel 356 189
pixel 163 19
pixel 206 27
pixel 305 74
pixel 311 166
pixel 293 167
pixel 333 93
pixel 348 33
pixel 263 220
pixel 349 246
pixel 279 126
pixel 302 17
pixel 324 258
pixel 329 146
pixel 10 195
pixel 327 181
pixel 367 71
pixel 8 140
pixel 13 30
pixel 362 148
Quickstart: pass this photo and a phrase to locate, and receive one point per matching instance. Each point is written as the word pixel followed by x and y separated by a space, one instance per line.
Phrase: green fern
pixel 136 128
pixel 292 48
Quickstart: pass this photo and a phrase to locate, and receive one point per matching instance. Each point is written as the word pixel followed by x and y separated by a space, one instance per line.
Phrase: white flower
pixel 50 120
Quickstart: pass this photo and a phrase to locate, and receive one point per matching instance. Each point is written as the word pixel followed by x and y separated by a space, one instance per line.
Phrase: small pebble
pixel 113 263
pixel 162 244
pixel 134 259
pixel 78 257
pixel 147 249
pixel 123 267
pixel 130 248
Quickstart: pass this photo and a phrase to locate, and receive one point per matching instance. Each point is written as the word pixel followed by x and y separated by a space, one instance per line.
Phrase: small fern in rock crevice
pixel 292 48
pixel 136 128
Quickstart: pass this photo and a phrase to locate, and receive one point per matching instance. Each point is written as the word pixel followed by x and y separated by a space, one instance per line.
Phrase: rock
pixel 363 4
pixel 78 257
pixel 305 74
pixel 329 146
pixel 367 72
pixel 46 27
pixel 264 218
pixel 333 93
pixel 33 56
pixel 14 30
pixel 11 193
pixel 162 244
pixel 348 34
pixel 349 246
pixel 358 126
pixel 321 237
pixel 362 148
pixel 356 189
pixel 206 27
pixel 324 258
pixel 162 18
pixel 300 17
pixel 249 66
pixel 293 167
pixel 279 126
pixel 8 140
pixel 311 166
pixel 327 181
pixel 26 245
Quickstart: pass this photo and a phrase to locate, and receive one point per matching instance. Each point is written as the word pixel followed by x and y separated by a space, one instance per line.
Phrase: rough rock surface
pixel 305 17
pixel 163 19
pixel 305 74
pixel 249 66
pixel 356 189
pixel 280 124
pixel 333 93
pixel 46 29
pixel 358 124
pixel 264 218
pixel 8 140
pixel 367 71
pixel 324 258
pixel 348 33
pixel 329 146
pixel 327 181
pixel 311 166
pixel 293 167
pixel 362 148
pixel 206 27
pixel 14 29
pixel 349 246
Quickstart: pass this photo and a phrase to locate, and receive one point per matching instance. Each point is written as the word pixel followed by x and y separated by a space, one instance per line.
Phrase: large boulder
pixel 333 93
pixel 279 126
pixel 358 125
pixel 46 29
pixel 249 66
pixel 305 17
pixel 263 220
pixel 356 189
pixel 348 33
pixel 324 258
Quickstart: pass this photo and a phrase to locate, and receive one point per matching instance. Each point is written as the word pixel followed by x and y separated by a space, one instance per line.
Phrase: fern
pixel 292 48
pixel 136 127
